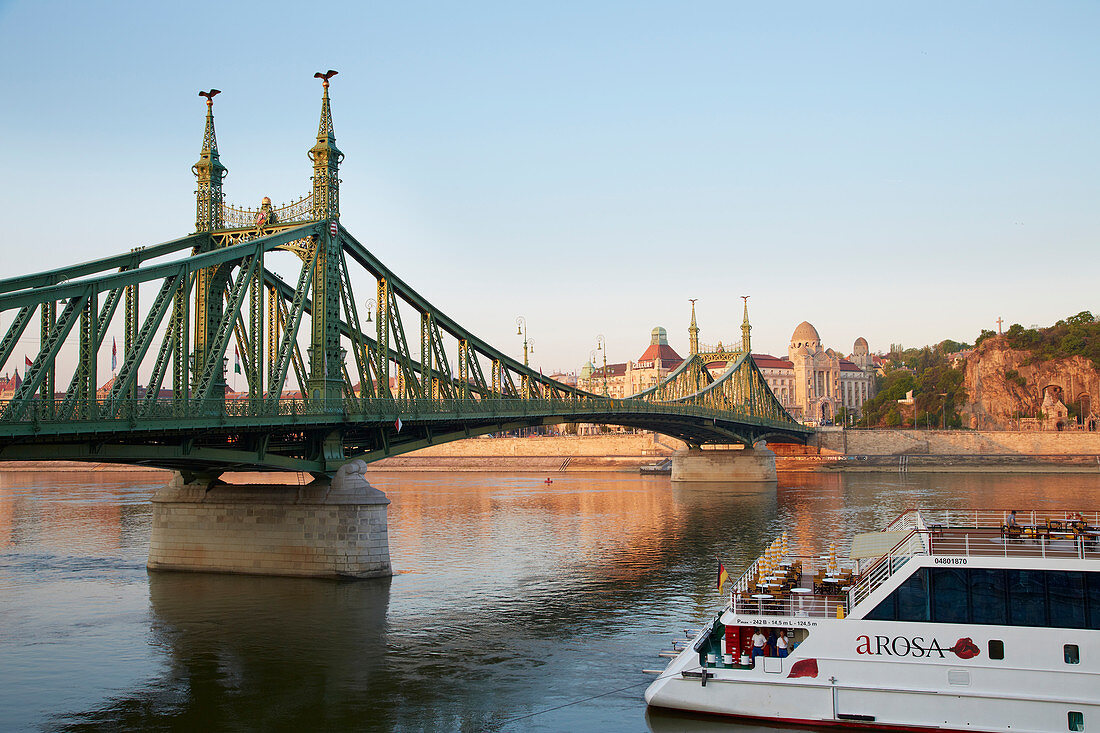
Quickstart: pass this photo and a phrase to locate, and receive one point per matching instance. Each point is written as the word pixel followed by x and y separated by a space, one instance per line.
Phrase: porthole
pixel 996 649
pixel 1071 653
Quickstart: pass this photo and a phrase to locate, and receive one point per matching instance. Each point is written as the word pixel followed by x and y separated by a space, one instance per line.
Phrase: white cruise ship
pixel 947 621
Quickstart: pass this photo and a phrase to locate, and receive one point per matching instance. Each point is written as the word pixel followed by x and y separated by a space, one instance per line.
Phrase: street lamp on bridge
pixel 601 345
pixel 521 330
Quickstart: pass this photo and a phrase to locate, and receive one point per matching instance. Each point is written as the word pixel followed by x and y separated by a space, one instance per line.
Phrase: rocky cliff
pixel 1003 384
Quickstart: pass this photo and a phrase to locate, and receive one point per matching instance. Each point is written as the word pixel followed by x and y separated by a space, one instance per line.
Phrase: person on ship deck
pixel 781 644
pixel 759 642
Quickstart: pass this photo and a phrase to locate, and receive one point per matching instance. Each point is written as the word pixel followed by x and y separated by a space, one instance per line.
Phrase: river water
pixel 517 605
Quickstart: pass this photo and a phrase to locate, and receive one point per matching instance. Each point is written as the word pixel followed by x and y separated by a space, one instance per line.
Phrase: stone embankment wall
pixel 956 443
pixel 640 444
pixel 539 454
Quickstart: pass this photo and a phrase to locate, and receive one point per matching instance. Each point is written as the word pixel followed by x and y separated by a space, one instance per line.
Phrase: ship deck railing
pixel 972 533
pixel 990 542
pixel 809 606
pixel 983 533
pixel 808 603
pixel 914 543
pixel 994 518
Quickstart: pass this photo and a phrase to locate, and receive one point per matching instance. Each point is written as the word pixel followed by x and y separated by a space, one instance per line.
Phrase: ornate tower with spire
pixel 325 354
pixel 210 172
pixel 746 344
pixel 209 281
pixel 693 332
pixel 326 159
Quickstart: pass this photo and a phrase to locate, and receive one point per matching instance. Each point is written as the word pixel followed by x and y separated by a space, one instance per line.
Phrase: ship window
pixel 996 649
pixel 1076 720
pixel 987 597
pixel 1027 598
pixel 885 611
pixel 950 604
pixel 1066 591
pixel 1060 599
pixel 1072 653
pixel 913 597
pixel 1094 600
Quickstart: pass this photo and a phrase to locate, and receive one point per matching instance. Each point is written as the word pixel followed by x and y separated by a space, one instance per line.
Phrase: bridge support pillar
pixel 327 529
pixel 727 464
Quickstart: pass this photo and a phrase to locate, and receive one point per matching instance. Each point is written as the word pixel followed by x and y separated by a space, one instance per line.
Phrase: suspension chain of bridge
pixel 359 389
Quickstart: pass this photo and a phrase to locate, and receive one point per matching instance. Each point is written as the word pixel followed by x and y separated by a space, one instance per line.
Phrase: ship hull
pixel 900 676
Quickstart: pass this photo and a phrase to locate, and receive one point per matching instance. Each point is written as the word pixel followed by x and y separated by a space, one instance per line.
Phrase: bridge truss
pixel 360 387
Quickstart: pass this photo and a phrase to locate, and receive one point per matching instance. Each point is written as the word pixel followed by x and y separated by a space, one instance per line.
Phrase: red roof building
pixel 629 378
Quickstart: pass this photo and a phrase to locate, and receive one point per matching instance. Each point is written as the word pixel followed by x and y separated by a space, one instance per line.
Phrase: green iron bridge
pixel 357 390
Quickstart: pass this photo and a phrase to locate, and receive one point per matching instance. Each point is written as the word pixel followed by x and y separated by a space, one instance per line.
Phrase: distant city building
pixel 631 377
pixel 8 385
pixel 958 358
pixel 569 378
pixel 813 383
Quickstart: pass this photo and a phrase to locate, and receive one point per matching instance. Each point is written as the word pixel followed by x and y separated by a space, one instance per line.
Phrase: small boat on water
pixel 947 621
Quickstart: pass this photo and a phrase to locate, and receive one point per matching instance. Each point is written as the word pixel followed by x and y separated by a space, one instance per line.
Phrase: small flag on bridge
pixel 236 361
pixel 27 360
pixel 398 424
pixel 332 228
pixel 114 353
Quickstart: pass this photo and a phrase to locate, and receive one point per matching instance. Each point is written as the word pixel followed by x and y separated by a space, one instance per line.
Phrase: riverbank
pixel 832 450
pixel 941 463
pixel 78 467
pixel 541 454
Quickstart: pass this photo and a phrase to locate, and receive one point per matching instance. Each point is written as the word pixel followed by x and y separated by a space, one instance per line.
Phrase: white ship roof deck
pixel 783 582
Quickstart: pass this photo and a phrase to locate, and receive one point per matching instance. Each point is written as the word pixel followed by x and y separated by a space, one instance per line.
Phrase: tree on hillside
pixel 937 391
pixel 1077 335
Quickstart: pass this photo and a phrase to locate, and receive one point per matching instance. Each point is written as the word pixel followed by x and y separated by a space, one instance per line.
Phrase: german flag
pixel 723 576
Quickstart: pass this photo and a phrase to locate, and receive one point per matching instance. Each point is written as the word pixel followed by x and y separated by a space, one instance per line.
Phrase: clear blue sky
pixel 905 172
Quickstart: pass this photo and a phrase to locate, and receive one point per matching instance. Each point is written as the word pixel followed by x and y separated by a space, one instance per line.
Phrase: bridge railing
pixel 133 412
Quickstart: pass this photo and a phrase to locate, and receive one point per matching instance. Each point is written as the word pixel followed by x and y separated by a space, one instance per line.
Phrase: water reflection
pixel 517 602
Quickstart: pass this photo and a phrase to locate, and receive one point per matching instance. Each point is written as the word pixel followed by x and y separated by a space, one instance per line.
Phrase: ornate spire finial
pixel 210 172
pixel 693 331
pixel 209 139
pixel 746 345
pixel 326 159
pixel 324 130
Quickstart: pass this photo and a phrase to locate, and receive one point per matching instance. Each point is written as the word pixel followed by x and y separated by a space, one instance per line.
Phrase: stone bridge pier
pixel 326 529
pixel 754 465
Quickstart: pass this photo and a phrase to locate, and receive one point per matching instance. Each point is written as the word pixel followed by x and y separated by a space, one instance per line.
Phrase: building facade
pixel 815 383
pixel 812 383
pixel 631 377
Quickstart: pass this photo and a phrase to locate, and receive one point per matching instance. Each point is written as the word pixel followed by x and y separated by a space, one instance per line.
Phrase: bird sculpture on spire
pixel 325 76
pixel 210 96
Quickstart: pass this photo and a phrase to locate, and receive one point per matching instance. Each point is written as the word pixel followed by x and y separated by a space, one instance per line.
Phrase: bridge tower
pixel 693 332
pixel 325 354
pixel 210 282
pixel 746 346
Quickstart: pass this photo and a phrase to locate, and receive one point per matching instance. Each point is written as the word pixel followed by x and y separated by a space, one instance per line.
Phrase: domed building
pixel 587 370
pixel 814 383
